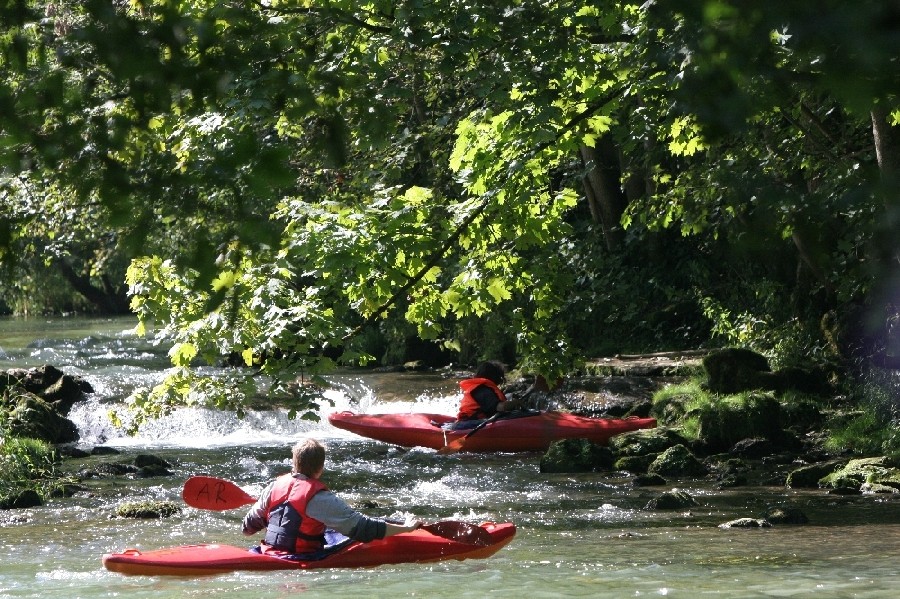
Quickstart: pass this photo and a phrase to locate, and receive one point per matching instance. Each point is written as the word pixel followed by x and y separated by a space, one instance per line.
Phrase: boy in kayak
pixel 482 396
pixel 296 508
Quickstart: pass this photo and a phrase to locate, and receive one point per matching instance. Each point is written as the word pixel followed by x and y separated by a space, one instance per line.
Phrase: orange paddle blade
pixel 210 493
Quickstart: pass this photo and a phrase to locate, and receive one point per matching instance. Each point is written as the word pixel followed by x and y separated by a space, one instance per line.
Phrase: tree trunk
pixel 603 188
pixel 887 151
pixel 107 301
pixel 883 305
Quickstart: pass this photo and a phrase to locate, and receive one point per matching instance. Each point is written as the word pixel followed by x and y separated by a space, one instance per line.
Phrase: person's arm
pixel 509 405
pixel 487 400
pixel 393 528
pixel 333 512
pixel 258 516
pixel 515 403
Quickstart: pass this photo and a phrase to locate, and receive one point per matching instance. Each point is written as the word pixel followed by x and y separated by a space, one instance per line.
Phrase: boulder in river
pixel 855 473
pixel 677 461
pixel 34 403
pixel 675 499
pixel 27 415
pixel 576 455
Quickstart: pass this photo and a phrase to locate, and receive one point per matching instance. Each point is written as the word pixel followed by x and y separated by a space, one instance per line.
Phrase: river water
pixel 584 535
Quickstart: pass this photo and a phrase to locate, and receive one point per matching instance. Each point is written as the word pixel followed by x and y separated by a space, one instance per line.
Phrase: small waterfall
pixel 205 427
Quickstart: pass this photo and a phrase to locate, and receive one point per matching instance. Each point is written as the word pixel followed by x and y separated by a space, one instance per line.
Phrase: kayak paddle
pixel 210 493
pixel 459 444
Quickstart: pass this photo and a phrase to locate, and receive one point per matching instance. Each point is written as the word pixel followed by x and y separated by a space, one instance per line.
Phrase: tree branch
pixel 432 262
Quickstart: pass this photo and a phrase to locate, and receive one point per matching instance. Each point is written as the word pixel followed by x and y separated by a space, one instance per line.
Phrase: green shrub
pixel 874 429
pixel 26 466
pixel 25 460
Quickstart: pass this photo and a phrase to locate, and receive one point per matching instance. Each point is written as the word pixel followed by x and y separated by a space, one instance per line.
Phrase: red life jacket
pixel 289 528
pixel 469 408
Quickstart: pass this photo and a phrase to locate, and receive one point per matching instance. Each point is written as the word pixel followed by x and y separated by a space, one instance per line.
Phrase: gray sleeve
pixel 331 510
pixel 258 516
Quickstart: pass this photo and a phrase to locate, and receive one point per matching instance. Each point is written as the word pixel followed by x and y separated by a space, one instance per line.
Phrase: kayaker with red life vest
pixel 482 396
pixel 295 509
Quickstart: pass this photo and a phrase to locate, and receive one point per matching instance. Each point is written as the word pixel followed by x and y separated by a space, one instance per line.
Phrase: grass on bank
pixel 26 464
pixel 871 427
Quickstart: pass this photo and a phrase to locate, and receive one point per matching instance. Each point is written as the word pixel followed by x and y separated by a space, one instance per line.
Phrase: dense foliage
pixel 304 182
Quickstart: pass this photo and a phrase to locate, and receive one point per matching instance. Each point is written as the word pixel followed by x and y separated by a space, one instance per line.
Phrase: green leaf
pixel 182 354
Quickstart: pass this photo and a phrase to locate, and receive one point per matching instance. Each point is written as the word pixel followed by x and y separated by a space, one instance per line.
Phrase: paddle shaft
pixel 211 493
pixel 458 444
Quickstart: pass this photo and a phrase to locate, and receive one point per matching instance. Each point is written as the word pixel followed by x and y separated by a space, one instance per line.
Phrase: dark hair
pixel 491 370
pixel 309 457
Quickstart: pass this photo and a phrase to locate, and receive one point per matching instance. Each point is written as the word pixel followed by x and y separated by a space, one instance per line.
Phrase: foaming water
pixel 201 427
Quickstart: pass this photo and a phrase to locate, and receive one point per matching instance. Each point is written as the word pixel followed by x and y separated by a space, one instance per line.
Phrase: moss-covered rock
pixel 858 472
pixel 576 455
pixel 634 463
pixel 645 441
pixel 675 499
pixel 810 475
pixel 754 448
pixel 52 385
pixel 890 479
pixel 677 461
pixel 27 415
pixel 727 420
pixel 148 509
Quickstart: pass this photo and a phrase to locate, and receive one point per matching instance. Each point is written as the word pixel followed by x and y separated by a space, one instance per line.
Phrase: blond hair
pixel 309 457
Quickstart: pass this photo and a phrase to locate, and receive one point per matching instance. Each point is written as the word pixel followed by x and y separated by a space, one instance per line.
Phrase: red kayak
pixel 408 547
pixel 532 432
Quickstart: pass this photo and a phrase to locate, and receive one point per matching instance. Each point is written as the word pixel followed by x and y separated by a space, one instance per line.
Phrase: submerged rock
pixel 746 523
pixel 649 480
pixel 671 500
pixel 786 515
pixel 20 498
pixel 576 455
pixel 148 509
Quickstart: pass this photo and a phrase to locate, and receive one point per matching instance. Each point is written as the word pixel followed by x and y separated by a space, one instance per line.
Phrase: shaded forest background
pixel 289 185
